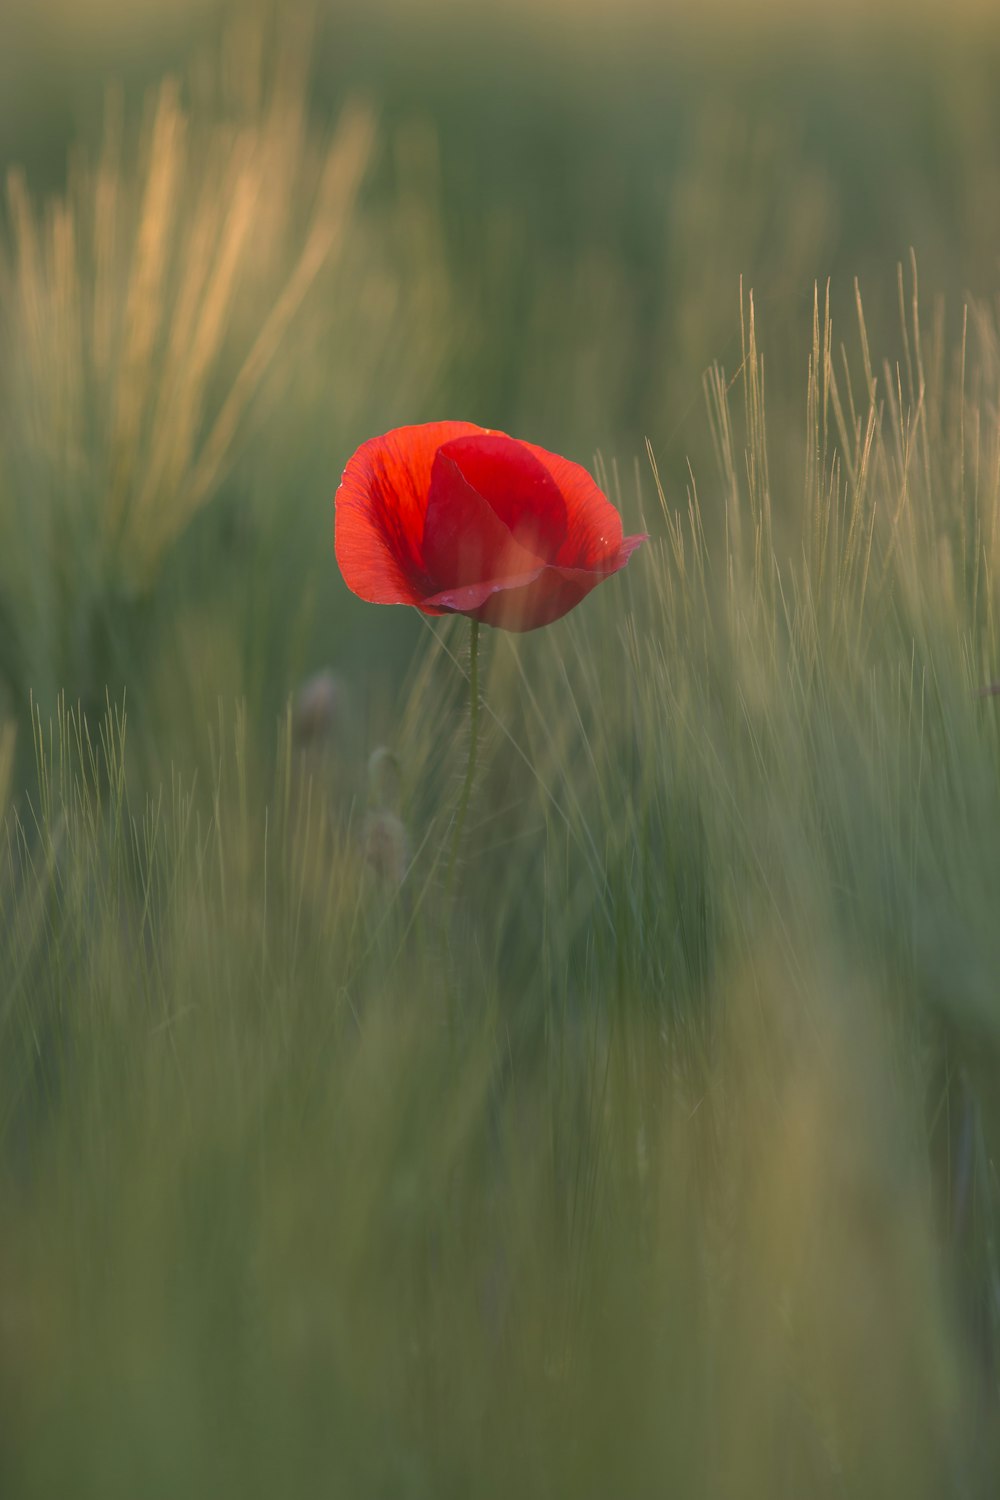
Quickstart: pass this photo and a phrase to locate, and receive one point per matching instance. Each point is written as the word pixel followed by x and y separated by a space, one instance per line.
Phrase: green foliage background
pixel 660 1158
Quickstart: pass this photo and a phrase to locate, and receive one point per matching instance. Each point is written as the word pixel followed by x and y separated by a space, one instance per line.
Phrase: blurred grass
pixel 662 1159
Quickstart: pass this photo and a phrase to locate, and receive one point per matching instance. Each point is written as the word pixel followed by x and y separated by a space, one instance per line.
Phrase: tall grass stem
pixel 470 770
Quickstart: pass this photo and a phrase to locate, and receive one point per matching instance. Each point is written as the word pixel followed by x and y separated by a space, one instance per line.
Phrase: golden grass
pixel 146 309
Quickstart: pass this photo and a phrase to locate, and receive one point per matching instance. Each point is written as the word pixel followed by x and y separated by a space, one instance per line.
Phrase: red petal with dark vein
pixel 380 507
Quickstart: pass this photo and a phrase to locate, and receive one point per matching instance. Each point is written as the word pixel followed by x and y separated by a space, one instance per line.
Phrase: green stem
pixel 470 770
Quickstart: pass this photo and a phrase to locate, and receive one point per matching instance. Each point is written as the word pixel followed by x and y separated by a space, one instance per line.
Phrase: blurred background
pixel 537 219
pixel 662 1157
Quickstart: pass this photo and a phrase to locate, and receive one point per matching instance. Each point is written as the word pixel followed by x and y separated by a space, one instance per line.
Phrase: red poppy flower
pixel 456 519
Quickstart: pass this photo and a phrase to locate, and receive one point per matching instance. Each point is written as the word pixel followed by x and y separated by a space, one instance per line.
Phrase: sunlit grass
pixel 143 316
pixel 193 327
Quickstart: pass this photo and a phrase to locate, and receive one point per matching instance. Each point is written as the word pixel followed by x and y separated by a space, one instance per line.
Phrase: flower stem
pixel 470 770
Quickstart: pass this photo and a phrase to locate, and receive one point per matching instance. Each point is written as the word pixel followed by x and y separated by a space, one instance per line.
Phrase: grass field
pixel 657 1156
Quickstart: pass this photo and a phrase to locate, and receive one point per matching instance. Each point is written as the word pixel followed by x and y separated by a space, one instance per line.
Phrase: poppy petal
pixel 554 592
pixel 536 598
pixel 629 545
pixel 380 507
pixel 540 602
pixel 470 597
pixel 464 539
pixel 594 527
pixel 518 488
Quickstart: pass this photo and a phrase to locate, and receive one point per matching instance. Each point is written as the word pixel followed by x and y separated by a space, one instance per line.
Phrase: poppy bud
pixel 386 846
pixel 319 709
